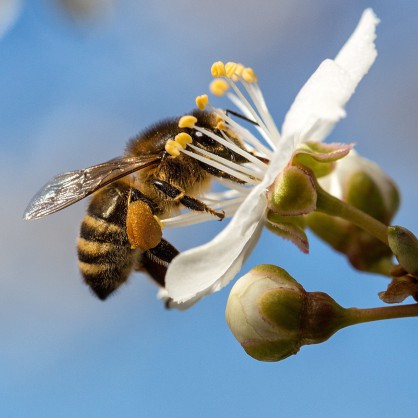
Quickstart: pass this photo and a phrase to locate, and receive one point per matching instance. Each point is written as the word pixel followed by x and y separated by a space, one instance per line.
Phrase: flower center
pixel 228 78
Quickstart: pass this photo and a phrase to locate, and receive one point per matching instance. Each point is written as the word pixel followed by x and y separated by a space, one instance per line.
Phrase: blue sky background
pixel 72 93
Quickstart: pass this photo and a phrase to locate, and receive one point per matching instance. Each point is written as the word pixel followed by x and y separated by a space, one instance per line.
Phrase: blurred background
pixel 77 80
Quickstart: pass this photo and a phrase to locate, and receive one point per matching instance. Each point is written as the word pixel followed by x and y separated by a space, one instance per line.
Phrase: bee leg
pixel 188 201
pixel 156 260
pixel 136 195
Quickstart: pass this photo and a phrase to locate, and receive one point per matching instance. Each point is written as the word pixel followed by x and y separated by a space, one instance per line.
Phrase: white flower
pixel 315 111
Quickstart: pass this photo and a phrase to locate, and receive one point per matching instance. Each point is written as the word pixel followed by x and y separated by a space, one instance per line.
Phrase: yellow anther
pixel 238 72
pixel 218 87
pixel 172 147
pixel 187 121
pixel 220 125
pixel 230 68
pixel 218 69
pixel 202 101
pixel 183 139
pixel 248 75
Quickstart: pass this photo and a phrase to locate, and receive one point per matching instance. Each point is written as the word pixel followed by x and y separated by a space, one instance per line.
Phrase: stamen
pixel 239 188
pixel 238 72
pixel 218 69
pixel 215 197
pixel 183 139
pixel 202 101
pixel 180 142
pixel 257 98
pixel 230 68
pixel 246 104
pixel 226 162
pixel 244 109
pixel 187 121
pixel 221 167
pixel 248 75
pixel 233 147
pixel 220 126
pixel 247 136
pixel 218 87
pixel 173 148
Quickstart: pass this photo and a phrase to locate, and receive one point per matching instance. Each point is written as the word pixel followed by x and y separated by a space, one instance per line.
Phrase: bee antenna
pixel 239 115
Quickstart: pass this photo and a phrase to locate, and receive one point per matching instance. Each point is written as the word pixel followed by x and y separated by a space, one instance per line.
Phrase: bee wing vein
pixel 68 188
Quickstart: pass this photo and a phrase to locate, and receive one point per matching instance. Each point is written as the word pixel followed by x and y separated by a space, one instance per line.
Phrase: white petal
pixel 205 269
pixel 359 52
pixel 320 103
pixel 163 295
pixel 208 268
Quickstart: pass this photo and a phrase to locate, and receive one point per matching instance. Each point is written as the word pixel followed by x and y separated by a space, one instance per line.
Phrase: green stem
pixel 357 316
pixel 335 207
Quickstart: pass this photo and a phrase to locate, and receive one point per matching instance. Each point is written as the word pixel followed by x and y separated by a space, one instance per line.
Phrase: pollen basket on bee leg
pixel 142 227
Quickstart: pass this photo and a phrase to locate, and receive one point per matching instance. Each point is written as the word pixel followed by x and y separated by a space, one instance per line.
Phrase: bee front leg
pixel 188 201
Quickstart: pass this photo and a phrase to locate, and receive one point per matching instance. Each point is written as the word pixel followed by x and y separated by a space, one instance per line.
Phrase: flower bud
pixel 404 245
pixel 364 185
pixel 272 316
pixel 292 193
pixel 360 182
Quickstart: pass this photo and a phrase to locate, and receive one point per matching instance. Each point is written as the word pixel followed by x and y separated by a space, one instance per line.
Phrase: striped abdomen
pixel 104 252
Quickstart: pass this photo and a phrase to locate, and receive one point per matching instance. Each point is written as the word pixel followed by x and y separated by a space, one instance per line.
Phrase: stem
pixel 358 316
pixel 332 206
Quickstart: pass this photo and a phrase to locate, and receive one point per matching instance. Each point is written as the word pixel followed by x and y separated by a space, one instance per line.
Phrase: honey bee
pixel 121 231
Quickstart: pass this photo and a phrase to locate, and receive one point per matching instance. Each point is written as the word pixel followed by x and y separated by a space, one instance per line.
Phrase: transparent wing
pixel 68 188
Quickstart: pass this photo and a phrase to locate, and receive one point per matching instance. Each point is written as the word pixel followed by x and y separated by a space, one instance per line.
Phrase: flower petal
pixel 359 52
pixel 208 268
pixel 320 103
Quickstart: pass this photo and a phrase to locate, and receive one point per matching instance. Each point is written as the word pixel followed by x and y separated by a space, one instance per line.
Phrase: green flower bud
pixel 360 182
pixel 364 252
pixel 404 245
pixel 272 316
pixel 292 193
pixel 364 185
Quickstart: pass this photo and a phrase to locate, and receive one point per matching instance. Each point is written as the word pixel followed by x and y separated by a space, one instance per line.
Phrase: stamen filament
pixel 226 162
pixel 255 116
pixel 247 136
pixel 234 148
pixel 234 99
pixel 257 98
pixel 221 167
pixel 242 189
pixel 213 197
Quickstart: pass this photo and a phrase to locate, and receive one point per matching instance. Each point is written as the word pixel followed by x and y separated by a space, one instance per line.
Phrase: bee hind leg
pixel 188 201
pixel 156 261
